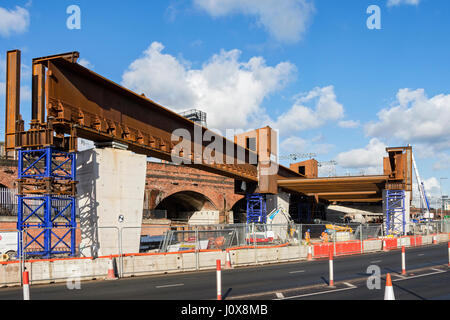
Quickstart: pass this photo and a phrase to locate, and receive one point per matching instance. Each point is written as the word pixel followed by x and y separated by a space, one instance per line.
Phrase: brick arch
pixel 212 197
pixel 239 210
pixel 179 203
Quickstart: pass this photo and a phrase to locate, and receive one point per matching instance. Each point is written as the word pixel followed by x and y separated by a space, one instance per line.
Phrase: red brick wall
pixel 8 176
pixel 164 180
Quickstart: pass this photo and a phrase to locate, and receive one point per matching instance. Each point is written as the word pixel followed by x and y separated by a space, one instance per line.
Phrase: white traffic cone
pixel 228 261
pixel 111 272
pixel 389 292
pixel 384 246
pixel 310 253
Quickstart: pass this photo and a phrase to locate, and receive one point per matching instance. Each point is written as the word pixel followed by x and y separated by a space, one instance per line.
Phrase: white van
pixel 8 244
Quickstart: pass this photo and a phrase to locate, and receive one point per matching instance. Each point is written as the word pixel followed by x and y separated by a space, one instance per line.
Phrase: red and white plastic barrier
pixel 26 285
pixel 449 253
pixel 403 260
pixel 219 279
pixel 331 268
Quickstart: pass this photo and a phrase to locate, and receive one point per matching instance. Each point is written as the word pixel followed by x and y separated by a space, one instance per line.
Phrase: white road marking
pixel 279 295
pixel 318 293
pixel 170 285
pixel 377 261
pixel 420 275
pixel 300 271
pixel 421 254
pixel 349 285
pixel 438 270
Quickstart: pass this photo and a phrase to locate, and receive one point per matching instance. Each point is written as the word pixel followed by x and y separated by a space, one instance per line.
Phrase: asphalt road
pixel 300 280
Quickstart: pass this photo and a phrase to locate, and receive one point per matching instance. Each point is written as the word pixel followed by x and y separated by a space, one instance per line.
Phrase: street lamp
pixel 442 200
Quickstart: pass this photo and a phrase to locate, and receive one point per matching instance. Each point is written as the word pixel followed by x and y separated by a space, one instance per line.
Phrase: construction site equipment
pixel 47 192
pixel 423 196
pixel 256 208
pixel 339 233
pixel 334 228
pixel 196 116
pixel 395 212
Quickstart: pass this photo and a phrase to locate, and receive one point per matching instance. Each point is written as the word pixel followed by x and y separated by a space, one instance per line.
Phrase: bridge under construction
pixel 105 186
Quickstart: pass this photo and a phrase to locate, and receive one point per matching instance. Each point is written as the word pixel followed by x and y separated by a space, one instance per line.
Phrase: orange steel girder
pixel 70 101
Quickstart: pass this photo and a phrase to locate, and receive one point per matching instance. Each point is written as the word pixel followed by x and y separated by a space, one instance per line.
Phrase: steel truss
pixel 395 212
pixel 46 202
pixel 256 209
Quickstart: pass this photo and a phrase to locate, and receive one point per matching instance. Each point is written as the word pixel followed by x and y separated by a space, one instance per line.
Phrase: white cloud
pixel 349 124
pixel 85 63
pixel 443 161
pixel 2 76
pixel 415 119
pixel 295 144
pixel 13 21
pixel 311 110
pixel 369 158
pixel 393 3
pixel 432 190
pixel 285 20
pixel 230 91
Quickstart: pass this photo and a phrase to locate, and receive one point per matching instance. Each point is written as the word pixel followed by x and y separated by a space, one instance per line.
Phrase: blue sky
pixel 310 68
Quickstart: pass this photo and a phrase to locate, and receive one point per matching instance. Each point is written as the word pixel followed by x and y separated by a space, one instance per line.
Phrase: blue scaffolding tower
pixel 395 212
pixel 256 209
pixel 46 202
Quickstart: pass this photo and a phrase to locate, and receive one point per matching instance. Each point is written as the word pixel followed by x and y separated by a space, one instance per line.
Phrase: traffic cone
pixel 384 246
pixel 389 292
pixel 111 272
pixel 310 253
pixel 228 261
pixel 435 240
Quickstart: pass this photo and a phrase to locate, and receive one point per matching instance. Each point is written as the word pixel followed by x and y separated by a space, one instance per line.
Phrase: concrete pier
pixel 110 200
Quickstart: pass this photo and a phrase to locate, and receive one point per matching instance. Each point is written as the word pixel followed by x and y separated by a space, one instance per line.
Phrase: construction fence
pixel 180 238
pixel 164 249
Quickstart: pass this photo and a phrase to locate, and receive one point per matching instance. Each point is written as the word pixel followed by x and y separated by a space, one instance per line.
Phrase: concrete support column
pixel 110 199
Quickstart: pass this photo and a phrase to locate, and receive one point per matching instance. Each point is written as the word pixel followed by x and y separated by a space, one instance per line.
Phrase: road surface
pixel 300 280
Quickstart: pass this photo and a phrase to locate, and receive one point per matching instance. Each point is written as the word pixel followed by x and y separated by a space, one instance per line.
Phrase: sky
pixel 340 79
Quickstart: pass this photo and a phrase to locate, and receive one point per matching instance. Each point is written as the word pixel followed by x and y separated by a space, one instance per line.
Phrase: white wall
pixel 111 184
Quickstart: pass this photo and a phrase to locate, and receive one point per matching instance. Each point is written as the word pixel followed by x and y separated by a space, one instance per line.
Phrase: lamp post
pixel 442 199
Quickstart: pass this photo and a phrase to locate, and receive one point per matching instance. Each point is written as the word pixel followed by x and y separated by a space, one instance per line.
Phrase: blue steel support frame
pixel 256 209
pixel 49 236
pixel 395 212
